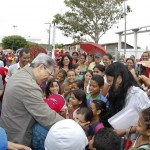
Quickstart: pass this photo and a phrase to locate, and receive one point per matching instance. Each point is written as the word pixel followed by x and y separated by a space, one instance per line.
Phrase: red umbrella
pixel 92 48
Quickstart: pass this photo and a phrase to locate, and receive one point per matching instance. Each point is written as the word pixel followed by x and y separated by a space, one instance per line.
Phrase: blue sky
pixel 30 15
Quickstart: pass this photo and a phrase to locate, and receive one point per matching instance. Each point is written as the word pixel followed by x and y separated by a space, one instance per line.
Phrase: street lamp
pixel 49 31
pixel 14 26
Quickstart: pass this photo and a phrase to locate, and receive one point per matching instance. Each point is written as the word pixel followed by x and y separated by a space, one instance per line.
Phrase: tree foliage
pixel 13 42
pixel 58 46
pixel 89 17
pixel 31 44
pixel 35 50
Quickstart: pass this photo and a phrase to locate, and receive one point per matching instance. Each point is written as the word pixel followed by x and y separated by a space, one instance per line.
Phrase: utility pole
pixel 14 26
pixel 53 43
pixel 125 28
pixel 49 32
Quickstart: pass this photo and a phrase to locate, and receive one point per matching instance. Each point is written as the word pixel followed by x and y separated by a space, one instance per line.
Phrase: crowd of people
pixel 65 104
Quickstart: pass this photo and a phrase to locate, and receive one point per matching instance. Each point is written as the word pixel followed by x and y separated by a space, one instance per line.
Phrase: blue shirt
pixel 99 97
pixel 3 139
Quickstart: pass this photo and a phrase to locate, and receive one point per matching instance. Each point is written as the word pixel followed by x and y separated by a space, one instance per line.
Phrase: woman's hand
pixel 13 146
pixel 120 132
pixel 145 80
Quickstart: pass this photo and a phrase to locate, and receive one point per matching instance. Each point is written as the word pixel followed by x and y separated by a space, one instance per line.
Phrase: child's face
pixel 87 76
pixel 77 70
pixel 94 110
pixel 74 101
pixel 71 76
pixel 60 77
pixel 141 127
pixel 55 88
pixel 74 87
pixel 94 87
pixel 97 72
pixel 80 119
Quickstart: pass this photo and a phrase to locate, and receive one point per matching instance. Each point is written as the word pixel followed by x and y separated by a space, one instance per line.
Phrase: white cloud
pixel 139 17
pixel 30 16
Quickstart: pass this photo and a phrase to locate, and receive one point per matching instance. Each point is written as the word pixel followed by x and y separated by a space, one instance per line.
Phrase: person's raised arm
pixel 40 111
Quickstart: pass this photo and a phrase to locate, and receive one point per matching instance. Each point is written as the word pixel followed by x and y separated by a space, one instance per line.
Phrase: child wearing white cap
pixel 66 134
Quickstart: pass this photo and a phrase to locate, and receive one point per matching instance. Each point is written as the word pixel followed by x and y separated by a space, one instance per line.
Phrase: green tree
pixel 89 18
pixel 13 42
pixel 59 46
pixel 31 44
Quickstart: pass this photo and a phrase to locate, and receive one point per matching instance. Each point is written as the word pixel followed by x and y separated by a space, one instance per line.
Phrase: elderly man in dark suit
pixel 23 103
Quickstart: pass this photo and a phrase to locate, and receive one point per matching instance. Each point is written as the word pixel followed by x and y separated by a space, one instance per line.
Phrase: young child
pixel 66 86
pixel 105 139
pixel 78 84
pixel 77 99
pixel 96 84
pixel 83 118
pixel 39 132
pixel 76 68
pixel 52 87
pixel 143 128
pixel 61 75
pixel 66 135
pixel 98 108
pixel 86 79
pixel 99 70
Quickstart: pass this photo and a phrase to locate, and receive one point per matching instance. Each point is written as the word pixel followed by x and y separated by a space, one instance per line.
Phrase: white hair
pixel 44 59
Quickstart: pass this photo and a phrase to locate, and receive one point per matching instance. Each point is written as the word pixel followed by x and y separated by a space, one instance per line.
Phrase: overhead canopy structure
pixel 134 31
pixel 92 48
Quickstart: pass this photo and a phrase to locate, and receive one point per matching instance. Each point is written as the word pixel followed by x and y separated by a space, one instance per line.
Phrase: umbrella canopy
pixel 92 48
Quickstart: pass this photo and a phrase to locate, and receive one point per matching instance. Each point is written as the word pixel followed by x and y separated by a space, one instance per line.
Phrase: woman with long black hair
pixel 124 91
pixel 65 63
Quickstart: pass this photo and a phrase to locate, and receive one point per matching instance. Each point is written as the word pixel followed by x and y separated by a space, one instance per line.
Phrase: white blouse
pixel 138 98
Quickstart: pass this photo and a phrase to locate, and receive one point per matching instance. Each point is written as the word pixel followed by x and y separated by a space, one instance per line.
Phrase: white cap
pixel 66 135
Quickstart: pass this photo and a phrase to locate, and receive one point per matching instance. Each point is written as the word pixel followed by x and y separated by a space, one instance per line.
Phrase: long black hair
pixel 100 105
pixel 117 97
pixel 62 59
pixel 50 84
pixel 81 96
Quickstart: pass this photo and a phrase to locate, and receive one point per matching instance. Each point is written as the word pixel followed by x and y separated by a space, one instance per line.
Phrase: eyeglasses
pixel 50 73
